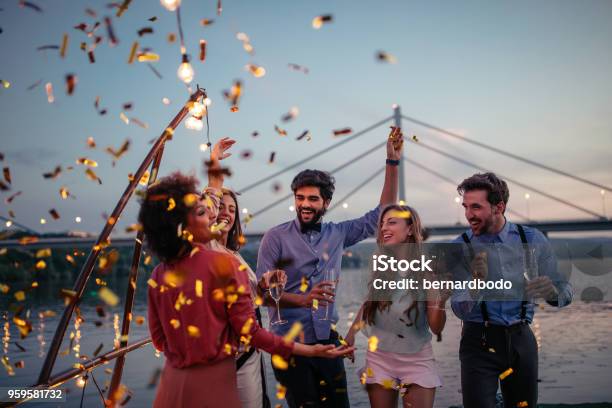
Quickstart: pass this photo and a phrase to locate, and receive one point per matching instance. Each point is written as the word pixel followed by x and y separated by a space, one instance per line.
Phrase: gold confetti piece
pixel 40 265
pixel 281 391
pixel 256 70
pixel 5 84
pixel 123 7
pixel 279 362
pixel 4 288
pixel 258 300
pixel 117 153
pixel 124 118
pixel 400 214
pixel 281 132
pixel 202 50
pixel 506 373
pixel 293 332
pixel 343 131
pixel 383 56
pixel 49 90
pixel 71 81
pixel 144 180
pixel 108 296
pixel 171 38
pixel 70 259
pixel 86 162
pixel 491 350
pixel 193 331
pixel 246 328
pixel 43 253
pixel 139 320
pixel 190 199
pixel 64 46
pixel 7 365
pixel 133 51
pixel 363 378
pixel 152 283
pixel 173 279
pixel 20 295
pixel 64 193
pixel 148 57
pixel 227 349
pixel 389 384
pixel 415 138
pixel 315 304
pixel 372 343
pixel 304 284
pixel 175 323
pixel 206 22
pixel 133 228
pixel 165 101
pixel 318 21
pixel 198 288
pixel 522 404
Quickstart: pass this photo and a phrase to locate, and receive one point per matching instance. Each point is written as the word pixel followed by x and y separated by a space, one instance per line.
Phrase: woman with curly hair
pixel 199 305
pixel 403 360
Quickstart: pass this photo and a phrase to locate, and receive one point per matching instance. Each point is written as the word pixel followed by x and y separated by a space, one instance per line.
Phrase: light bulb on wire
pixel 185 71
pixel 193 123
pixel 170 5
pixel 197 109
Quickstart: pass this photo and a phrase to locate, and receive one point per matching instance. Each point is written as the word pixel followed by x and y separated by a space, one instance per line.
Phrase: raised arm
pixel 394 155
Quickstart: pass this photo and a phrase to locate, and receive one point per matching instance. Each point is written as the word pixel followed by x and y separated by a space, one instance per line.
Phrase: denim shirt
pixel 507 262
pixel 310 255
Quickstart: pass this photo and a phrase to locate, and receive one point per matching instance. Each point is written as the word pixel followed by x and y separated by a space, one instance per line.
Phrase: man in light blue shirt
pixel 305 248
pixel 497 344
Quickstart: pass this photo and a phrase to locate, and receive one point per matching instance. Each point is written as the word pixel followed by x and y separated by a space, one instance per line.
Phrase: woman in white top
pixel 250 374
pixel 400 322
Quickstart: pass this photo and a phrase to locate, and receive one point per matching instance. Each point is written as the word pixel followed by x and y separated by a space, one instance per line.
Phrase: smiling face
pixel 198 222
pixel 482 216
pixel 394 230
pixel 227 212
pixel 309 204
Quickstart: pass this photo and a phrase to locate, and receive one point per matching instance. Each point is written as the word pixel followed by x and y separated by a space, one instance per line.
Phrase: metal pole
pixel 131 292
pixel 397 119
pixel 79 286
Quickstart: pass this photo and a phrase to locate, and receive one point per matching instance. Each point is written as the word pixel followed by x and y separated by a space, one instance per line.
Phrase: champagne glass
pixel 331 276
pixel 277 286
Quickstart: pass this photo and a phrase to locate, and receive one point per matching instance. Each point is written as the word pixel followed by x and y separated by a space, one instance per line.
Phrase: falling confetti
pixel 343 131
pixel 318 21
pixel 383 56
pixel 292 114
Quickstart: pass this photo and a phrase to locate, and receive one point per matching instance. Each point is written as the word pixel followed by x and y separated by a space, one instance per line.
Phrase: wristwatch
pixel 392 162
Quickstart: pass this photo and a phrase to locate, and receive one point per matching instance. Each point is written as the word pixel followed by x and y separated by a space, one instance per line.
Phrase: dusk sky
pixel 533 78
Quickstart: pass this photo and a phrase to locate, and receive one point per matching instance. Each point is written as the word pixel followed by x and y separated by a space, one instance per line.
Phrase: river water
pixel 575 353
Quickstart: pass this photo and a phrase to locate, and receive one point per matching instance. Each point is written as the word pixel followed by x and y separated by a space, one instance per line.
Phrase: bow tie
pixel 310 227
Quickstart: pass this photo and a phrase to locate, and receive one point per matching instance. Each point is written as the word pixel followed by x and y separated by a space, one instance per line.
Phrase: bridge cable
pixel 508 154
pixel 356 189
pixel 312 156
pixel 518 183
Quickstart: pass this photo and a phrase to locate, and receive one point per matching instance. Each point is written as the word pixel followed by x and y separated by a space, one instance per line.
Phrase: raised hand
pixel 321 293
pixel 220 149
pixel 395 141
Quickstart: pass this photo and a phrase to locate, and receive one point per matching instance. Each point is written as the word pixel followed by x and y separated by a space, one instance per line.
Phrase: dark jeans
pixel 315 381
pixel 514 347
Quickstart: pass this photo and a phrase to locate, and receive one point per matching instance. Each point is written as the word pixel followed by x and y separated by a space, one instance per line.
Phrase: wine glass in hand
pixel 276 287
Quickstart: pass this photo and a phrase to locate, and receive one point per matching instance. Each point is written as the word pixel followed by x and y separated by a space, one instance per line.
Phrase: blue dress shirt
pixel 311 253
pixel 507 263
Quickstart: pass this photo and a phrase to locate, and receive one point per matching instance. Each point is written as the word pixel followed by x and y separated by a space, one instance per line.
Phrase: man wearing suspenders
pixel 497 345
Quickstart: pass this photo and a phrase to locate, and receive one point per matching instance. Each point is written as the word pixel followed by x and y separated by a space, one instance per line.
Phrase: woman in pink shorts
pixel 398 325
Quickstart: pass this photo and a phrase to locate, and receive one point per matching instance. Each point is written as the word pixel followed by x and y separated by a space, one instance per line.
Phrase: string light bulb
pixel 291 208
pixel 345 205
pixel 9 223
pixel 197 109
pixel 193 123
pixel 185 70
pixel 170 5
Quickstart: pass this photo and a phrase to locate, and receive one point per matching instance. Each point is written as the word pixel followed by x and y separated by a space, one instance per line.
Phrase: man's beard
pixel 316 216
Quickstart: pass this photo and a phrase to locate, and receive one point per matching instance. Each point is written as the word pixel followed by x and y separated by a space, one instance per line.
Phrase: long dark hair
pixel 371 306
pixel 234 235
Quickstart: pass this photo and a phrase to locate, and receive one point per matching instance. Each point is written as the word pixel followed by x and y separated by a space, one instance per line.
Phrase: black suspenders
pixel 483 305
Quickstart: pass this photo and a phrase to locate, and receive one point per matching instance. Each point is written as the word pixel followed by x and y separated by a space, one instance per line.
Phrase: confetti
pixel 20 295
pixel 281 132
pixel 279 362
pixel 145 30
pixel 400 214
pixel 71 81
pixel 111 33
pixel 293 332
pixel 148 57
pixel 123 7
pixel 522 404
pixel 300 68
pixel 108 296
pixel 246 42
pixel 43 253
pixel 281 391
pixel 246 154
pixel 7 174
pixel 233 95
pixel 415 138
pixel 343 131
pixel 40 265
pixel 292 114
pixel 86 162
pixel 64 46
pixel 92 175
pixel 304 285
pixel 272 156
pixel 372 343
pixel 53 174
pixel 31 5
pixel 506 373
pixel 383 56
pixel 202 50
pixel 198 288
pixel 54 214
pixel 318 21
pixel 206 22
pixel 117 153
pixel 304 134
pixel 193 331
pixel 9 368
pixel 256 70
pixel 133 51
pixel 91 143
